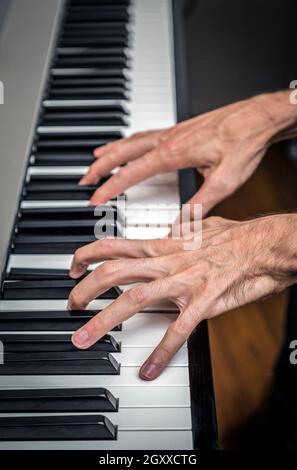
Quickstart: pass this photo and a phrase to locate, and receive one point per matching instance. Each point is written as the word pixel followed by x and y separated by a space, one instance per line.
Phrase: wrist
pixel 280 113
pixel 280 257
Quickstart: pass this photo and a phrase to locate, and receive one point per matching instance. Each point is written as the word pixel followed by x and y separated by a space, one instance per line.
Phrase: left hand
pixel 236 264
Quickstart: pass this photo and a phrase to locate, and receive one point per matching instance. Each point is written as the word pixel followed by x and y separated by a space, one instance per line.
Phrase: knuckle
pixel 169 148
pixel 108 268
pixel 92 171
pixel 101 323
pixel 152 247
pixel 75 297
pixel 78 257
pixel 213 221
pixel 136 296
pixel 180 328
pixel 170 152
pixel 138 134
pixel 106 244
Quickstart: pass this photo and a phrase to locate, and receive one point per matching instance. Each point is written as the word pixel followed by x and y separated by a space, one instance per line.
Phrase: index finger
pixel 116 154
pixel 144 167
pixel 125 306
pixel 113 248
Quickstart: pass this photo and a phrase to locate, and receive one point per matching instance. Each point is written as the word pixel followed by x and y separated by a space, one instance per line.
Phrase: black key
pixel 100 106
pixel 56 363
pixel 46 289
pixel 63 230
pixel 90 51
pixel 88 39
pixel 87 142
pixel 62 219
pixel 87 118
pixel 57 428
pixel 88 92
pixel 17 274
pixel 90 81
pixel 108 29
pixel 73 179
pixel 69 213
pixel 62 157
pixel 86 135
pixel 58 192
pixel 46 320
pixel 85 61
pixel 51 213
pixel 98 5
pixel 89 72
pixel 52 343
pixel 60 187
pixel 57 400
pixel 102 2
pixel 96 28
pixel 38 180
pixel 25 246
pixel 59 231
pixel 59 226
pixel 106 12
pixel 44 246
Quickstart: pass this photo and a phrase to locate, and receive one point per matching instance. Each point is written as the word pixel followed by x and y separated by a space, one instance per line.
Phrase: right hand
pixel 225 146
pixel 236 263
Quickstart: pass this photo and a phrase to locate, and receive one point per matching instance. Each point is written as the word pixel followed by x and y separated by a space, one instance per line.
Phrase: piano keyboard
pixel 110 74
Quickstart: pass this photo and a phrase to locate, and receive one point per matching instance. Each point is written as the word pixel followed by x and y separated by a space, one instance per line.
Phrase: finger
pixel 174 338
pixel 144 167
pixel 114 273
pixel 129 303
pixel 113 248
pixel 153 136
pixel 123 151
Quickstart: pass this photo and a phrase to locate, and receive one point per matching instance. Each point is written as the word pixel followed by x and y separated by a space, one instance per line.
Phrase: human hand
pixel 238 263
pixel 225 146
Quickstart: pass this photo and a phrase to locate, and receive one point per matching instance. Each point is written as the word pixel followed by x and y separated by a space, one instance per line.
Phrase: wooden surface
pixel 246 341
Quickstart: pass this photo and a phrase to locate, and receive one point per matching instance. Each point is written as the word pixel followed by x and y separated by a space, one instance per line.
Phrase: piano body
pixel 78 74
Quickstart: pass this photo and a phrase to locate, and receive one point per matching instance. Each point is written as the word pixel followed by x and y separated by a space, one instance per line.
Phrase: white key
pixel 134 440
pixel 143 330
pixel 138 419
pixel 136 355
pixel 146 397
pixel 129 376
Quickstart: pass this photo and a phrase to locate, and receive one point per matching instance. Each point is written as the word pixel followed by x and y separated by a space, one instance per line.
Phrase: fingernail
pixel 80 337
pixel 150 371
pixel 75 273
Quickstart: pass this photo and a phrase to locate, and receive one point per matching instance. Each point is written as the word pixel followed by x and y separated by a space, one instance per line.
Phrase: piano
pixel 78 74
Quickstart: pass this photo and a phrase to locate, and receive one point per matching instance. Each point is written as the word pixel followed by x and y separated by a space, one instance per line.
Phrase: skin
pixel 225 146
pixel 237 263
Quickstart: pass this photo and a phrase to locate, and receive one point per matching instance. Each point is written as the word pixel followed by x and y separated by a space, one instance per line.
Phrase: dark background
pixel 238 48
